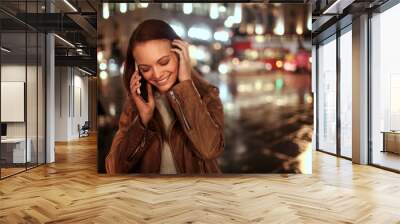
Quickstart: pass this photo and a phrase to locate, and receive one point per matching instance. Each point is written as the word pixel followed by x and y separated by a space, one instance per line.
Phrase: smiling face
pixel 157 63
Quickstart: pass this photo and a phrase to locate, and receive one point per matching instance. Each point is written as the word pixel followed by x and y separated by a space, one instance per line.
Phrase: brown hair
pixel 152 29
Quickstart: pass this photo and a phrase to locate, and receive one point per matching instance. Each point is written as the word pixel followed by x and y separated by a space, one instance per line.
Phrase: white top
pixel 167 116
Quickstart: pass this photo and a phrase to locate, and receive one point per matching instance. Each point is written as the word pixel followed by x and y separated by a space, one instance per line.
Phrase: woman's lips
pixel 163 80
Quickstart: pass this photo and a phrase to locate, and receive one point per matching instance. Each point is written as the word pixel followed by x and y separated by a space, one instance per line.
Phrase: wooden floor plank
pixel 71 191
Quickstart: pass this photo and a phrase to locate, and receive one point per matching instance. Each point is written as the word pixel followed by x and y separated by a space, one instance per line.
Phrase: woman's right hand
pixel 146 109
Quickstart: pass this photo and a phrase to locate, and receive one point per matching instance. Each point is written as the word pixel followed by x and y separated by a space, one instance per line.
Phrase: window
pixel 22 76
pixel 385 89
pixel 346 94
pixel 327 96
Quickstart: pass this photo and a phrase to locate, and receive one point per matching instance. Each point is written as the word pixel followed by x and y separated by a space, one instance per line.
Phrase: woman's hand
pixel 182 50
pixel 146 109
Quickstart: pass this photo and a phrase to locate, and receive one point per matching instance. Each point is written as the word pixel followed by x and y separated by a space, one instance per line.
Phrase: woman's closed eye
pixel 144 69
pixel 164 62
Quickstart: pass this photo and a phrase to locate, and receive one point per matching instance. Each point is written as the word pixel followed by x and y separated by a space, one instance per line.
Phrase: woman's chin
pixel 164 88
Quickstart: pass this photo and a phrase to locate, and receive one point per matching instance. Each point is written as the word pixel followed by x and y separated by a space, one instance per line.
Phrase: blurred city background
pixel 259 55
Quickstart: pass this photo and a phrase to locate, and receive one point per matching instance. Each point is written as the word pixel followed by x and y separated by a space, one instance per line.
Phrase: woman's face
pixel 157 63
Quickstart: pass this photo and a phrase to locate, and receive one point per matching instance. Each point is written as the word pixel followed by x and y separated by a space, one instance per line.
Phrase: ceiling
pixel 326 14
pixel 74 22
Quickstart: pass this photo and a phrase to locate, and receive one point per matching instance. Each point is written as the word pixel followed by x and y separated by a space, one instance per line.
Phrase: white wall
pixel 71 93
pixel 14 73
pixel 17 73
pixel 61 103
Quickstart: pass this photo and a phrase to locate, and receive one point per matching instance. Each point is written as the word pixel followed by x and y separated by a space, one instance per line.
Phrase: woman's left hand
pixel 182 49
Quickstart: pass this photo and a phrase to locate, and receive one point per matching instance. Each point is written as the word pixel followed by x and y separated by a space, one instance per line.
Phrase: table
pixel 15 148
pixel 391 141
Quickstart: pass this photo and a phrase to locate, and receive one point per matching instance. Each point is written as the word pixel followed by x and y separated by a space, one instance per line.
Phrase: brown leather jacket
pixel 196 139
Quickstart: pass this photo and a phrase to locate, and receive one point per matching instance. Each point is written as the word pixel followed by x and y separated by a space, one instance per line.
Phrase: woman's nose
pixel 156 73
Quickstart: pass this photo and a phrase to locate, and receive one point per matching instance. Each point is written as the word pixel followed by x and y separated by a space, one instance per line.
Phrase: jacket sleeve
pixel 202 118
pixel 129 143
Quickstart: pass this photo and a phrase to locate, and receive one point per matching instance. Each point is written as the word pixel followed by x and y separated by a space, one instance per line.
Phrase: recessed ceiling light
pixel 70 5
pixel 5 50
pixel 64 40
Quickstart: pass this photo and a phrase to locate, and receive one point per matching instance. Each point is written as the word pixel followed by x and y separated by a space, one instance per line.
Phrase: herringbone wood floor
pixel 71 191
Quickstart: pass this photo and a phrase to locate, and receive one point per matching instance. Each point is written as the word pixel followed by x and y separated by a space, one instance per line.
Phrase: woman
pixel 178 127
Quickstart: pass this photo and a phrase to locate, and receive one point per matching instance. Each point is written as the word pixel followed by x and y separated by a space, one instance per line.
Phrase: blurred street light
pixel 279 64
pixel 309 22
pixel 259 29
pixel 299 28
pixel 179 28
pixel 100 56
pixel 250 29
pixel 199 53
pixel 187 8
pixel 103 66
pixel 259 38
pixel 229 21
pixel 217 46
pixel 223 68
pixel 103 75
pixel 122 68
pixel 123 7
pixel 143 5
pixel 221 35
pixel 113 66
pixel 200 32
pixel 222 8
pixel 214 13
pixel 106 11
pixel 237 14
pixel 205 69
pixel 279 83
pixel 279 27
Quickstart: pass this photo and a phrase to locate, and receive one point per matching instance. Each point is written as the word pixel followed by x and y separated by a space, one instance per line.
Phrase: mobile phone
pixel 143 86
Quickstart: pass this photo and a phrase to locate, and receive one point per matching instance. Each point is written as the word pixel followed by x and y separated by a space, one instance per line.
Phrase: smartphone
pixel 143 86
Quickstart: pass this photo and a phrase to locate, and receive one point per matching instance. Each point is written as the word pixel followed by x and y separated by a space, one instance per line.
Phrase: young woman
pixel 172 121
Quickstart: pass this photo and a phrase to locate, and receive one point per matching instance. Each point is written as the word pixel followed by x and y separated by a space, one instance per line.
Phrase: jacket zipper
pixel 142 142
pixel 180 110
pixel 172 151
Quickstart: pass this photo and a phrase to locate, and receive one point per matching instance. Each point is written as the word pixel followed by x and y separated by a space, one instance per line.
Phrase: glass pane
pixel 385 84
pixel 31 97
pixel 327 97
pixel 32 85
pixel 22 80
pixel 346 94
pixel 13 86
pixel 41 98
